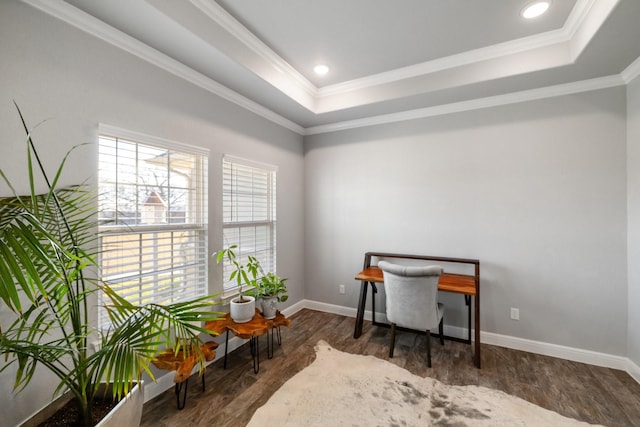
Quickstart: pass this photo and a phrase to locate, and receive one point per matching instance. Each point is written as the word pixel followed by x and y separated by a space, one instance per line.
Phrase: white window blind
pixel 152 218
pixel 249 212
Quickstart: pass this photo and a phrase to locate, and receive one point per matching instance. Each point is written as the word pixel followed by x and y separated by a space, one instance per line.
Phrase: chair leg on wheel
pixel 428 348
pixel 393 339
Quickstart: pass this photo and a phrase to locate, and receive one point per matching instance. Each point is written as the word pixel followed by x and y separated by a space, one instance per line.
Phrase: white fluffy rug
pixel 341 389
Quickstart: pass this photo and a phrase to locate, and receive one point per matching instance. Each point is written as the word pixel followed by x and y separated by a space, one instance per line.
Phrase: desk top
pixel 458 283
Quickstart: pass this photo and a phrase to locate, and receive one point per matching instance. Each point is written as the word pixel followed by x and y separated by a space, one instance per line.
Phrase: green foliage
pixel 271 285
pixel 45 280
pixel 252 275
pixel 246 274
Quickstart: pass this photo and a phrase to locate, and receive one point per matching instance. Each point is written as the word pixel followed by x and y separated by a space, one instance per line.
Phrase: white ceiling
pixel 390 60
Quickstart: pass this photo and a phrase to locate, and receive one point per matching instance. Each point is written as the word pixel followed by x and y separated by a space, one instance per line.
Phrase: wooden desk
pixel 250 330
pixel 467 285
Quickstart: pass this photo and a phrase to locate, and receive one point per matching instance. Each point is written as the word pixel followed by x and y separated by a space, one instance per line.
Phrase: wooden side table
pixel 170 361
pixel 251 330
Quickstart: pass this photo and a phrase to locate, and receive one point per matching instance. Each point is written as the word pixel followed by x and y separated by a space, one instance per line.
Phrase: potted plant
pixel 271 290
pixel 243 307
pixel 46 263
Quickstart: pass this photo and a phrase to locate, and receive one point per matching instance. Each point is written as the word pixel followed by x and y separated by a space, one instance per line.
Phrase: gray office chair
pixel 412 300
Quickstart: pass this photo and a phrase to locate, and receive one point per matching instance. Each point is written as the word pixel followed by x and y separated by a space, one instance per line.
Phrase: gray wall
pixel 56 72
pixel 536 191
pixel 633 191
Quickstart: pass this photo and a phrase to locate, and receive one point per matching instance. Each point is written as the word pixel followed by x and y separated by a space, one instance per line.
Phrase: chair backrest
pixel 412 295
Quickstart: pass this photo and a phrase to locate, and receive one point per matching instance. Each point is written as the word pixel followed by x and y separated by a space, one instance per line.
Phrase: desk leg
pixel 467 301
pixel 477 330
pixel 361 305
pixel 374 291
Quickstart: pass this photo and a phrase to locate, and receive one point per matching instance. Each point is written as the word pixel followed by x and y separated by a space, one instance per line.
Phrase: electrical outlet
pixel 515 313
pixel 342 289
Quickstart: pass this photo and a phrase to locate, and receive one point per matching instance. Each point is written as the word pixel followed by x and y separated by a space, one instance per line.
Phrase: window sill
pixel 226 297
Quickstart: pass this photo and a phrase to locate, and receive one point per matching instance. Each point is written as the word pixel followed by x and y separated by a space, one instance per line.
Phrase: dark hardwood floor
pixel 584 392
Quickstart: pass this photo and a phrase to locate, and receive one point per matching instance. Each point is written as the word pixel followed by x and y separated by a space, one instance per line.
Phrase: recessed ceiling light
pixel 321 69
pixel 535 9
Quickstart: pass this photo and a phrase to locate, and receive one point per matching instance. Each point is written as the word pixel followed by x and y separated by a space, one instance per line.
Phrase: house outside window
pixel 152 218
pixel 249 212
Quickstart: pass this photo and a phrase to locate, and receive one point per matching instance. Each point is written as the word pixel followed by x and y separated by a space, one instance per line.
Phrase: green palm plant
pixel 46 267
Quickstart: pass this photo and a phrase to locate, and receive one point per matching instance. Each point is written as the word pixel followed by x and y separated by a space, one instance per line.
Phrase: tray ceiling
pixel 388 60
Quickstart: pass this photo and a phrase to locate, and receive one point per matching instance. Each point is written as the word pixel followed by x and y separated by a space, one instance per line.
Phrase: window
pixel 249 212
pixel 152 218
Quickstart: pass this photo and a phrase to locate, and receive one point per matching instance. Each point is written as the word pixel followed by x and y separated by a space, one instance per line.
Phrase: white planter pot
pixel 242 312
pixel 269 307
pixel 128 412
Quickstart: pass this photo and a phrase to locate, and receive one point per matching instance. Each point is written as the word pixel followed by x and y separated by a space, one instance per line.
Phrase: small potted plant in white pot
pixel 243 307
pixel 271 290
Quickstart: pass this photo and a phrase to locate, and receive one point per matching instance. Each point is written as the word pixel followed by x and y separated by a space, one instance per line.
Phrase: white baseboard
pixel 547 349
pixel 562 352
pixel 633 370
pixel 555 350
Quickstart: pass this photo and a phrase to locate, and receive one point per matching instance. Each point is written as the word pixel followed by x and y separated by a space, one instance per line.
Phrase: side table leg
pixel 181 388
pixel 270 333
pixel 279 337
pixel 252 346
pixel 254 343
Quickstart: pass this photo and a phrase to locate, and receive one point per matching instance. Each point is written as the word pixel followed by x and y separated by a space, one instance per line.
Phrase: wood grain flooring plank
pixel 588 393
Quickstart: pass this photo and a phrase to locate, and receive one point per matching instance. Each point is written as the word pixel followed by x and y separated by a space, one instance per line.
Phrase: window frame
pixel 195 217
pixel 230 288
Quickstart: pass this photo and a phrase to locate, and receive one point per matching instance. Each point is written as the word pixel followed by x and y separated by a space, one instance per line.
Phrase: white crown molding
pixel 589 20
pixel 462 59
pixel 474 104
pixel 91 25
pixel 631 72
pixel 214 11
pixel 577 15
pixel 582 10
